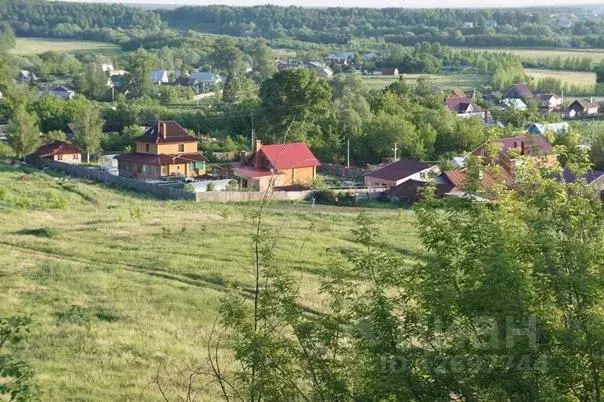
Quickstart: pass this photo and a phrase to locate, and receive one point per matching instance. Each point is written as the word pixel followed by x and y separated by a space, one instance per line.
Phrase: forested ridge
pixel 542 27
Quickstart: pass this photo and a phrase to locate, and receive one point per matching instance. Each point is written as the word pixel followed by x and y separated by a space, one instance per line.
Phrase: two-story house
pixel 165 149
pixel 277 165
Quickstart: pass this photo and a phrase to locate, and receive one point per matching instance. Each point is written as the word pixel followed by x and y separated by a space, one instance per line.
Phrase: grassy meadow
pixel 582 79
pixel 28 46
pixel 116 282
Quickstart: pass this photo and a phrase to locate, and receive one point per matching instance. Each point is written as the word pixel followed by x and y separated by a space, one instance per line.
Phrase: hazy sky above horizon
pixel 368 3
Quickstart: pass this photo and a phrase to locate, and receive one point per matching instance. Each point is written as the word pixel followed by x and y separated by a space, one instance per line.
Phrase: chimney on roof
pixel 258 145
pixel 164 130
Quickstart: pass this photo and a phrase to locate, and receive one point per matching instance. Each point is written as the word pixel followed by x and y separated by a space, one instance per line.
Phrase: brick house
pixel 165 149
pixel 277 165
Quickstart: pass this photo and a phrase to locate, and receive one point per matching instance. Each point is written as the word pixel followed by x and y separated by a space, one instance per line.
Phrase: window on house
pixel 146 147
pixel 76 156
pixel 60 157
pixel 181 147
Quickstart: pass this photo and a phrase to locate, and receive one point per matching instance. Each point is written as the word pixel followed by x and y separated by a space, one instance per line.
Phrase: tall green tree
pixel 7 37
pixel 294 102
pixel 23 134
pixel 88 130
pixel 263 57
pixel 139 80
pixel 93 82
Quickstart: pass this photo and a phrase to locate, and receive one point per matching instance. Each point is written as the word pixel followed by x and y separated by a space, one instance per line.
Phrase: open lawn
pixel 116 282
pixel 27 46
pixel 464 81
pixel 582 79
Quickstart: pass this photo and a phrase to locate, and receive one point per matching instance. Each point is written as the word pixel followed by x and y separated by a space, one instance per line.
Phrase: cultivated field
pixel 116 283
pixel 27 46
pixel 582 79
pixel 464 81
pixel 535 54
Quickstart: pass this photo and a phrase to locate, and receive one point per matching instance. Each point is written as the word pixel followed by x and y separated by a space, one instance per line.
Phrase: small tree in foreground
pixel 15 375
pixel 23 134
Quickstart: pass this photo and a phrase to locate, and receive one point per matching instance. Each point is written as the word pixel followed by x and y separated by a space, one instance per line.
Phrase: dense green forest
pixel 544 27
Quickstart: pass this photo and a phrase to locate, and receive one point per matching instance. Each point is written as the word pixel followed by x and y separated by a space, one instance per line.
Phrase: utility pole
pixel 347 153
pixel 253 144
pixel 395 149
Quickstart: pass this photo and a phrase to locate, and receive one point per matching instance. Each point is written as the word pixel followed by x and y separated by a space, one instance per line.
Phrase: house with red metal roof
pixel 277 165
pixel 400 171
pixel 60 151
pixel 165 149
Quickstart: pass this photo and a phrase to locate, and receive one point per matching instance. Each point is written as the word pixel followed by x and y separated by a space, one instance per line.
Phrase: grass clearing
pixel 116 282
pixel 464 81
pixel 29 46
pixel 582 79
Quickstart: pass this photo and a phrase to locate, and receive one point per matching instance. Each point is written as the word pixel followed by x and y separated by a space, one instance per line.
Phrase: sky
pixel 369 3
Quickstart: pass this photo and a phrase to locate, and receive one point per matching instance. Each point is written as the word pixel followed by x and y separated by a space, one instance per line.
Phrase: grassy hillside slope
pixel 116 283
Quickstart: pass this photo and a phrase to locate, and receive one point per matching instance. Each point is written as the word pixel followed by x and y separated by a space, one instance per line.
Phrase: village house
pixel 60 151
pixel 26 76
pixel 400 171
pixel 201 81
pixel 594 178
pixel 518 91
pixel 452 183
pixel 516 104
pixel 342 58
pixel 549 101
pixel 60 92
pixel 461 105
pixel 164 150
pixel 512 151
pixel 277 165
pixel 160 77
pixel 541 129
pixel 389 71
pixel 582 108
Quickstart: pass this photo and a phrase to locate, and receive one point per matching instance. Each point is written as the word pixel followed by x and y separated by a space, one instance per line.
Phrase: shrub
pixel 39 232
pixel 211 187
pixel 325 197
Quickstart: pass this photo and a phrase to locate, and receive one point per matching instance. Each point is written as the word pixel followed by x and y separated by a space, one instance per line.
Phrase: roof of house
pixel 399 170
pixel 205 76
pixel 289 156
pixel 252 172
pixel 165 132
pixel 519 90
pixel 56 147
pixel 458 179
pixel 516 103
pixel 460 104
pixel 589 176
pixel 531 144
pixel 386 70
pixel 161 159
pixel 538 128
pixel 546 96
pixel 585 104
pixel 411 190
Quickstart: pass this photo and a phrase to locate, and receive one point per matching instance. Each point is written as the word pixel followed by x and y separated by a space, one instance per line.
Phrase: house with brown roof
pixel 518 91
pixel 582 108
pixel 60 151
pixel 461 105
pixel 165 149
pixel 277 165
pixel 453 183
pixel 512 150
pixel 400 171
